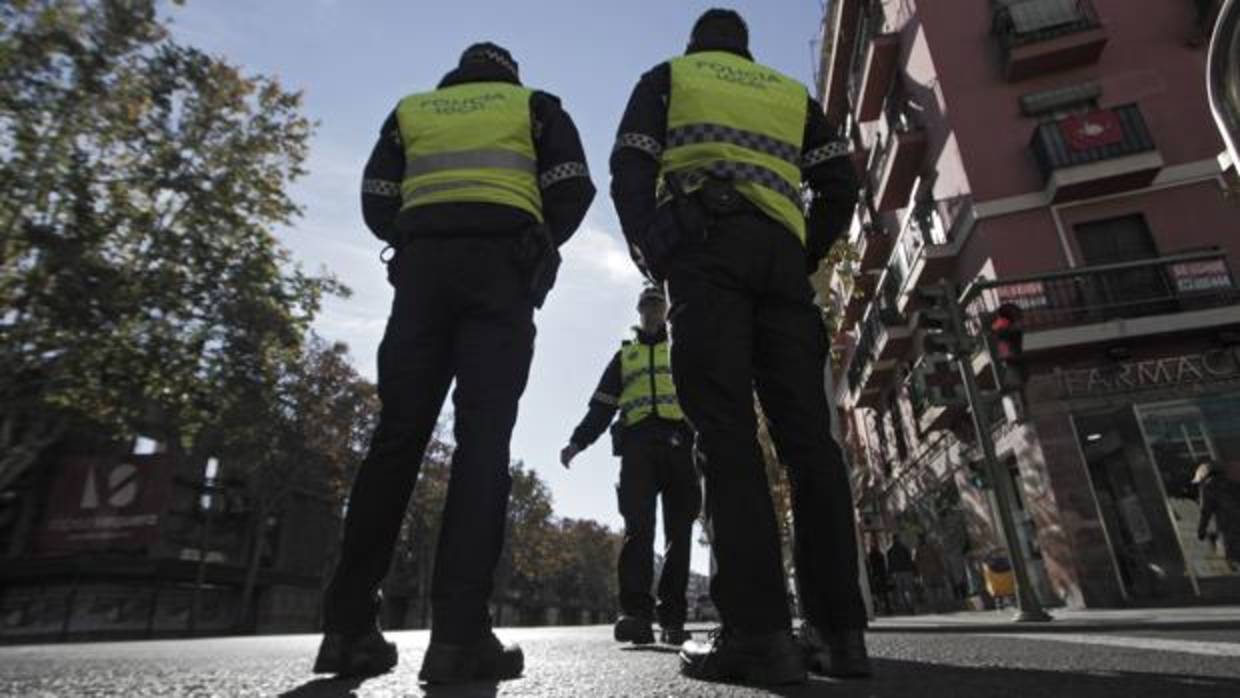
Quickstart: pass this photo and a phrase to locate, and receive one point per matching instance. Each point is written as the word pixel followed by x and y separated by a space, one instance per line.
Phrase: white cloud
pixel 594 250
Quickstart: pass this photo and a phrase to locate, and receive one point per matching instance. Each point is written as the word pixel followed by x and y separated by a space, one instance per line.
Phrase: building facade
pixel 1058 156
pixel 102 542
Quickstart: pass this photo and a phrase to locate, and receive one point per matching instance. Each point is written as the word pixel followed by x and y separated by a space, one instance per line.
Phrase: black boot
pixel 734 656
pixel 367 654
pixel 840 654
pixel 674 635
pixel 486 660
pixel 634 629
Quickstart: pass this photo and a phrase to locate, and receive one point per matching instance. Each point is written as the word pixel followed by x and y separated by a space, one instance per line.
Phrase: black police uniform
pixel 462 311
pixel 656 460
pixel 742 317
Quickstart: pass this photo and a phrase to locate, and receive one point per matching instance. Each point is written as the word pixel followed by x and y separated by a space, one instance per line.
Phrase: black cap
pixel 487 52
pixel 720 29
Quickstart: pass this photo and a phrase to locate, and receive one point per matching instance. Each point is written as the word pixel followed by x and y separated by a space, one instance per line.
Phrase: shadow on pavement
pixel 901 679
pixel 657 649
pixel 325 688
pixel 345 688
pixel 481 689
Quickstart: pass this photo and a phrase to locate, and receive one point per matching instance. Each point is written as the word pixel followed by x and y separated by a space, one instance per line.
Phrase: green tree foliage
pixel 546 561
pixel 141 287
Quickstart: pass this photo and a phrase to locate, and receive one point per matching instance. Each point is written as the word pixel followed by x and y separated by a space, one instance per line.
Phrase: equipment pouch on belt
pixel 720 198
pixel 540 258
pixel 676 223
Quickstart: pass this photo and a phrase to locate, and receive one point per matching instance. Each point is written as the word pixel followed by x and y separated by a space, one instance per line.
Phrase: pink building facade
pixel 1058 155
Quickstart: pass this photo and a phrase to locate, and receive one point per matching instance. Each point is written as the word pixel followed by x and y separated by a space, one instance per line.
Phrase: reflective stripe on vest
pixel 647 386
pixel 470 143
pixel 731 118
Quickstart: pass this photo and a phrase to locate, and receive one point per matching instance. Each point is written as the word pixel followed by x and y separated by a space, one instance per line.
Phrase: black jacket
pixel 563 178
pixel 642 136
pixel 606 399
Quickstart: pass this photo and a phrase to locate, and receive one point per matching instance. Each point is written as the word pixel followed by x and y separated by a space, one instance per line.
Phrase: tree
pixel 306 431
pixel 141 287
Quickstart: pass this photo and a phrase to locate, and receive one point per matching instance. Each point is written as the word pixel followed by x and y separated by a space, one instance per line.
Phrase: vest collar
pixel 645 338
pixel 705 46
pixel 477 72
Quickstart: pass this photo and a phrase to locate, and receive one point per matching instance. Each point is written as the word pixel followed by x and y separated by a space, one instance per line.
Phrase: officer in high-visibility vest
pixel 464 181
pixel 708 173
pixel 655 447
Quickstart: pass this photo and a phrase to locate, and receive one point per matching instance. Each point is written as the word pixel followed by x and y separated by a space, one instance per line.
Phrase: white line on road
pixel 1212 649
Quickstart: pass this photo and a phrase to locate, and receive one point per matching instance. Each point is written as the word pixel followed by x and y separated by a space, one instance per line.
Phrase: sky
pixel 354 60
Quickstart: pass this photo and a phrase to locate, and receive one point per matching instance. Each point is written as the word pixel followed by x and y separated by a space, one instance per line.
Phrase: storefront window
pixel 1195 446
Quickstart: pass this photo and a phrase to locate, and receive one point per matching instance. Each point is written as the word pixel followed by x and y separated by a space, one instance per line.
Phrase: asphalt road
pixel 585 662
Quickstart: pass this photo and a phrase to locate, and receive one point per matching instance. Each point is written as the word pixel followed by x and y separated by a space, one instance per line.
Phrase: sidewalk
pixel 1066 620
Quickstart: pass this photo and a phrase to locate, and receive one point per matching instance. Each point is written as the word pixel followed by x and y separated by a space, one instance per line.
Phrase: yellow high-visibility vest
pixel 646 382
pixel 470 143
pixel 730 117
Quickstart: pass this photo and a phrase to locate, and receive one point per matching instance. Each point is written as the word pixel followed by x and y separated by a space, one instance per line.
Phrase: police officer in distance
pixel 708 168
pixel 654 443
pixel 474 184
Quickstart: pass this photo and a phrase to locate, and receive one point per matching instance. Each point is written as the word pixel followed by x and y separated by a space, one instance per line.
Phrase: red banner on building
pixel 1093 130
pixel 106 504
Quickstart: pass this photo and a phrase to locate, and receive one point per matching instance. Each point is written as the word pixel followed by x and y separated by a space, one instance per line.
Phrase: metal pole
pixel 1030 610
pixel 203 544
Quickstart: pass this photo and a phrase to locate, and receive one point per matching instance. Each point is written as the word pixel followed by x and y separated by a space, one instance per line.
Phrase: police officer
pixel 463 182
pixel 708 170
pixel 655 448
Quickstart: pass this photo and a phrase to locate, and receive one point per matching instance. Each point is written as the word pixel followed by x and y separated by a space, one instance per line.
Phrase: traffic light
pixel 1006 344
pixel 936 379
pixel 939 315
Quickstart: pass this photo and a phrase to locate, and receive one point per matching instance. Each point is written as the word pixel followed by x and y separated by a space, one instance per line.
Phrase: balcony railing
pixel 1185 282
pixel 1086 139
pixel 863 357
pixel 1021 22
pixel 1038 36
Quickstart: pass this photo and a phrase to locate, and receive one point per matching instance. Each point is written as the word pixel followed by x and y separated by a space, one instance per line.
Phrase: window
pixel 1061 101
pixel 1115 240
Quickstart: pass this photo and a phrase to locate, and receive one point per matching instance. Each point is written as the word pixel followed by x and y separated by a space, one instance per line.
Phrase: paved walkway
pixel 1067 620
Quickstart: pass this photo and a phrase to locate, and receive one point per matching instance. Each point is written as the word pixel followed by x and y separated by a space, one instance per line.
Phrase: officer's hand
pixel 568 453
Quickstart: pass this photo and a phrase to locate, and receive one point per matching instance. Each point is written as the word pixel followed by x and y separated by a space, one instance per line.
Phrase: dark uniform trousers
pixel 742 317
pixel 657 462
pixel 462 312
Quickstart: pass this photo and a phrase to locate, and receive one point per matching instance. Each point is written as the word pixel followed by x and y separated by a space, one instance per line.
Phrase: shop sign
pixel 99 504
pixel 1207 275
pixel 1167 372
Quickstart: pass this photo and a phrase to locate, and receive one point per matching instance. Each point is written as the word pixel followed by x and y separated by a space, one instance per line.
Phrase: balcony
pixel 875 61
pixel 1038 36
pixel 899 152
pixel 874 247
pixel 1095 304
pixel 841 36
pixel 1102 152
pixel 885 339
pixel 926 248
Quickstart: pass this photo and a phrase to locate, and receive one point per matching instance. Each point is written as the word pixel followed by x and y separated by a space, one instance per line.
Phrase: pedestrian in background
pixel 932 573
pixel 903 575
